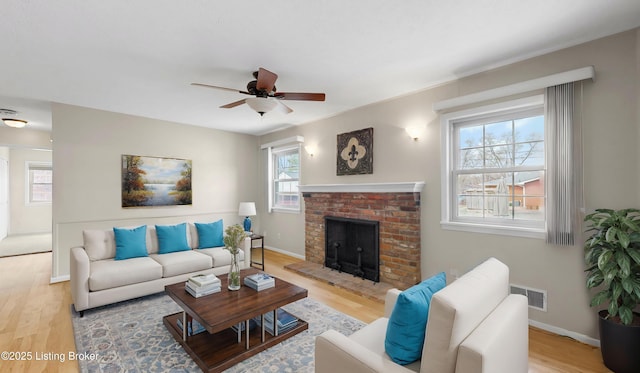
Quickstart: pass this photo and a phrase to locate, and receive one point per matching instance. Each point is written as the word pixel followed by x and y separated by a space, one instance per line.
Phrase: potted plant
pixel 234 235
pixel 612 256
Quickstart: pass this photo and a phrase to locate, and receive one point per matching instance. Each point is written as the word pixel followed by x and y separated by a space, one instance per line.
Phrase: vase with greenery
pixel 612 257
pixel 234 235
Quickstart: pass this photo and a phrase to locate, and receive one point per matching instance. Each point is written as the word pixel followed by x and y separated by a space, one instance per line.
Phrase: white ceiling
pixel 139 57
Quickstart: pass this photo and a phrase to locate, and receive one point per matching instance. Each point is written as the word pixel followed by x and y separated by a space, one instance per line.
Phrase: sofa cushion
pixel 99 244
pixel 210 234
pixel 130 243
pixel 110 273
pixel 221 256
pixel 458 309
pixel 172 238
pixel 407 324
pixel 181 262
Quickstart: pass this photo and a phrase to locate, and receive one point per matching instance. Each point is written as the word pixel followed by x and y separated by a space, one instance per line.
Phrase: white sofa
pixel 474 325
pixel 97 279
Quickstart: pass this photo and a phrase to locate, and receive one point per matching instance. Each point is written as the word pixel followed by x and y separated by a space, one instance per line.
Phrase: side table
pixel 255 237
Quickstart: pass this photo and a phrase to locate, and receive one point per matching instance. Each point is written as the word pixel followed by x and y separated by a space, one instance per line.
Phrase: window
pixel 495 169
pixel 39 183
pixel 285 176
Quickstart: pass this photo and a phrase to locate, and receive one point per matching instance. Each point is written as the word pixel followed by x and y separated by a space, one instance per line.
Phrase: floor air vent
pixel 537 298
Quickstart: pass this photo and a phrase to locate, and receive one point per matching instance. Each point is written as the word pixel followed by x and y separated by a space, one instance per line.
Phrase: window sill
pixel 37 204
pixel 494 229
pixel 286 211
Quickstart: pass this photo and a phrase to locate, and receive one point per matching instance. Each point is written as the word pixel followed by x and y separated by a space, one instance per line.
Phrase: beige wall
pixel 24 138
pixel 87 149
pixel 611 123
pixel 23 218
pixel 21 144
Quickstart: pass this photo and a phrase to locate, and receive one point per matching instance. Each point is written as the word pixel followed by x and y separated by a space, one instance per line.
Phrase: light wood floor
pixel 35 318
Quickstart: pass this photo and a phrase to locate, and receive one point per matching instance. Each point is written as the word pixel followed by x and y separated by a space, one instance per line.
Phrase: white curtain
pixel 564 165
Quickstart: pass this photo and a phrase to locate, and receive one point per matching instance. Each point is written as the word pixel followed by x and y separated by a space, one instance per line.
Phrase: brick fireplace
pixel 396 206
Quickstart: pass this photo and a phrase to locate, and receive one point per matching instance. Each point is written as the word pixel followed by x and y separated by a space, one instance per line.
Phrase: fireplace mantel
pixel 402 187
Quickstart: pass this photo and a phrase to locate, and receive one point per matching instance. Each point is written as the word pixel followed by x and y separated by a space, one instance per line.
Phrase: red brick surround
pixel 399 217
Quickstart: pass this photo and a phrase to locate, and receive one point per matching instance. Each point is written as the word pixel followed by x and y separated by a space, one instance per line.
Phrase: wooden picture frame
pixel 155 181
pixel 355 152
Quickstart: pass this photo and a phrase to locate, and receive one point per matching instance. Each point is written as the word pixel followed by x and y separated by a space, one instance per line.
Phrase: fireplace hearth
pixel 351 246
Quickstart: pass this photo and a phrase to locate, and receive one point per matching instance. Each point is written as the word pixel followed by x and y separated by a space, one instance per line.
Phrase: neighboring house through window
pixel 39 183
pixel 494 168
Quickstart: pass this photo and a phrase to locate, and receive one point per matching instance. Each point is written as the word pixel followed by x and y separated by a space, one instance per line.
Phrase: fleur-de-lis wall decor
pixel 355 152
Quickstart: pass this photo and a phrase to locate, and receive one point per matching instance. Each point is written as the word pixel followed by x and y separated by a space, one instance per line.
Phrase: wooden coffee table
pixel 221 347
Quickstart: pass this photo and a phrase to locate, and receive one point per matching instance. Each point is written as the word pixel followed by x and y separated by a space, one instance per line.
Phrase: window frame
pixel 273 153
pixel 449 122
pixel 34 165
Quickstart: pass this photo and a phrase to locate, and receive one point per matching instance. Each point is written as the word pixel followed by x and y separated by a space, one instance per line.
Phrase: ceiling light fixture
pixel 261 104
pixel 12 122
pixel 15 123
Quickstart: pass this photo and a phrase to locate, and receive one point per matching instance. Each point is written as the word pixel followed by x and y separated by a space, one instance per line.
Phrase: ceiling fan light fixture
pixel 261 104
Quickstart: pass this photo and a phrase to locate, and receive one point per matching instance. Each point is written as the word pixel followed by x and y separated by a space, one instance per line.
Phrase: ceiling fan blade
pixel 299 96
pixel 233 104
pixel 284 108
pixel 223 88
pixel 266 80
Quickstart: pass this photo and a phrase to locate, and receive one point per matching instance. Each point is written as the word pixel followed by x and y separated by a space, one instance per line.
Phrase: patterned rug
pixel 130 337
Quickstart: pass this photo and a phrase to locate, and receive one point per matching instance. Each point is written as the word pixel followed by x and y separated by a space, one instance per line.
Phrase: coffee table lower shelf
pixel 220 351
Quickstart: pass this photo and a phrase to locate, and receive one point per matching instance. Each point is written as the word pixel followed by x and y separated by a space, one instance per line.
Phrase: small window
pixel 285 177
pixel 39 183
pixel 496 168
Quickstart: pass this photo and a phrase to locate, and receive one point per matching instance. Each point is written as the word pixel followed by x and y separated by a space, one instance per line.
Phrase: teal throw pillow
pixel 130 243
pixel 408 322
pixel 172 238
pixel 210 234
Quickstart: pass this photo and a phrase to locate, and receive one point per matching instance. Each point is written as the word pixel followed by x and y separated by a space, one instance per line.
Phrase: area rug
pixel 130 337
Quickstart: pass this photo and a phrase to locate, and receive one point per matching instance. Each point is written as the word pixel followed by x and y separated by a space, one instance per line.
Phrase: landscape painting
pixel 155 181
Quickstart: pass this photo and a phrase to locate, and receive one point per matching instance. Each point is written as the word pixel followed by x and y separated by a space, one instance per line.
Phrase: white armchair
pixel 474 326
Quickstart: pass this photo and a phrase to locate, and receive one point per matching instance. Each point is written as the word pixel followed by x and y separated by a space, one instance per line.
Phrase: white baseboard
pixel 285 252
pixel 59 279
pixel 567 333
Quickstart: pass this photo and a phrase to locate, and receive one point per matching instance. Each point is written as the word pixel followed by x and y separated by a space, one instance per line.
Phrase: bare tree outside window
pixel 499 168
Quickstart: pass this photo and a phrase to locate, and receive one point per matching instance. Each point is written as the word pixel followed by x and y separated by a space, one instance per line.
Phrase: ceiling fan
pixel 266 96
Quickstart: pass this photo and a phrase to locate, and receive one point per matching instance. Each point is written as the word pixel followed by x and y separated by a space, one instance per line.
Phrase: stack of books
pixel 194 327
pixel 259 281
pixel 286 321
pixel 201 285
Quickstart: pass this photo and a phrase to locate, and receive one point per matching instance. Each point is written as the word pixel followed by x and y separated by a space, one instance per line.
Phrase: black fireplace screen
pixel 351 246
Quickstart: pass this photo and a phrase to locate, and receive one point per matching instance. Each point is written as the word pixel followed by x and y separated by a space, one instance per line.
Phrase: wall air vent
pixel 537 298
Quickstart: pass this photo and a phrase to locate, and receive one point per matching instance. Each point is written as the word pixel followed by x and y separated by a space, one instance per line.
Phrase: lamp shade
pixel 247 209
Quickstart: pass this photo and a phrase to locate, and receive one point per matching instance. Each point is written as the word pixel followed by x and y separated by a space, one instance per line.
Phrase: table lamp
pixel 247 209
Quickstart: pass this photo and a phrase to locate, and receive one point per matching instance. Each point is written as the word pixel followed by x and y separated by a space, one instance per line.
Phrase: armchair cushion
pixel 407 325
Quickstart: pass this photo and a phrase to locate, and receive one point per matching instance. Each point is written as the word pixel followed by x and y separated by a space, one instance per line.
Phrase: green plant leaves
pixel 612 258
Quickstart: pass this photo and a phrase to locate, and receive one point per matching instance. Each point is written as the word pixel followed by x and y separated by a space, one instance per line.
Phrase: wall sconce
pixel 310 149
pixel 415 132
